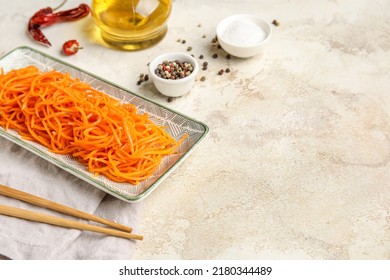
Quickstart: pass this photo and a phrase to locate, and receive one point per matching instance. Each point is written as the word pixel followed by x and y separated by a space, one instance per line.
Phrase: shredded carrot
pixel 70 117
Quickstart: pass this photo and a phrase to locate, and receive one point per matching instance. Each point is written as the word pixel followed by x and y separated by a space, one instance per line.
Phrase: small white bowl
pixel 178 87
pixel 243 35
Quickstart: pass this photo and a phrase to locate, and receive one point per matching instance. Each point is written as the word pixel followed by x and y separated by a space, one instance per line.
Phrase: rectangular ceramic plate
pixel 176 123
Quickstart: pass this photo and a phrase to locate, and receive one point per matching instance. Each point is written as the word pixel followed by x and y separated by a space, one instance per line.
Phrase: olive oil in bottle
pixel 131 24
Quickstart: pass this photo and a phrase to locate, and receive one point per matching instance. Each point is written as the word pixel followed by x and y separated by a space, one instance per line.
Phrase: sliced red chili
pixel 71 47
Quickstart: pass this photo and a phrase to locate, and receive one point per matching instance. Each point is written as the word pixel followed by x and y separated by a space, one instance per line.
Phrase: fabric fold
pixel 21 239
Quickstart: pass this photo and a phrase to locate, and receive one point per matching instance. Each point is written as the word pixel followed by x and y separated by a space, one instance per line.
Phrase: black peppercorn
pixel 275 22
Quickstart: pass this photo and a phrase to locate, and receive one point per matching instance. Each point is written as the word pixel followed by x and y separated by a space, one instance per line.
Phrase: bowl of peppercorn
pixel 173 73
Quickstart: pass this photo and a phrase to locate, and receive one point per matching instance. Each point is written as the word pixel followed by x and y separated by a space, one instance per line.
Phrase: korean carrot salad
pixel 69 117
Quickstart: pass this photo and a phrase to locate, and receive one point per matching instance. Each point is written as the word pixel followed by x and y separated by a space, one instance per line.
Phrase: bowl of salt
pixel 243 35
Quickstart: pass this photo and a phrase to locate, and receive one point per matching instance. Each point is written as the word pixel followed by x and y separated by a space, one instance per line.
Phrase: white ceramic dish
pixel 243 35
pixel 178 87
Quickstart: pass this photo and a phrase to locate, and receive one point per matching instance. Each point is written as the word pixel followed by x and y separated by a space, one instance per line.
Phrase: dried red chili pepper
pixel 71 47
pixel 46 17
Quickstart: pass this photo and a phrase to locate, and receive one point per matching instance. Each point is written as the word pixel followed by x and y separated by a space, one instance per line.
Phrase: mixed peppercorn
pixel 161 69
pixel 173 70
pixel 177 70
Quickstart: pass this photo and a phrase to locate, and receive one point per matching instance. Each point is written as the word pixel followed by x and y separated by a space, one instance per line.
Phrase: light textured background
pixel 296 164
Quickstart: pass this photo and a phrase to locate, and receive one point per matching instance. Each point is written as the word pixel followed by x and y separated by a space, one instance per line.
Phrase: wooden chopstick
pixel 48 219
pixel 36 200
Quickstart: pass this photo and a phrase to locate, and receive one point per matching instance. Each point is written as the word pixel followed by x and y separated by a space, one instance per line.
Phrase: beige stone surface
pixel 296 163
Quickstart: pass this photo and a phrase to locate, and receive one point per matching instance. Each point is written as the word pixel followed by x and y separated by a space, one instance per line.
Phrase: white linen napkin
pixel 21 239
